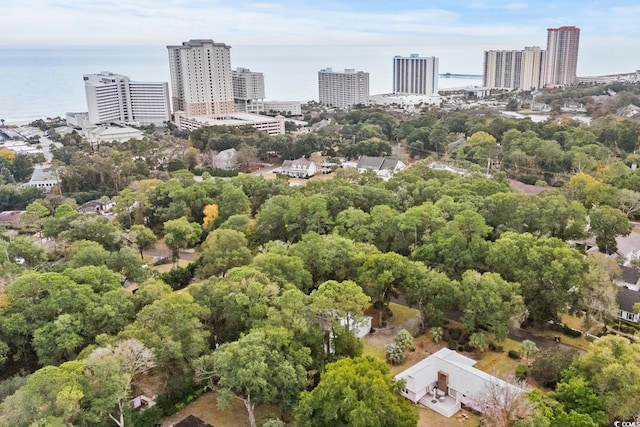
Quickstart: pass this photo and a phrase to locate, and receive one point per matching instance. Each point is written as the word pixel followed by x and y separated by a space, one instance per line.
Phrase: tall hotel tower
pixel 248 90
pixel 415 75
pixel 113 98
pixel 562 55
pixel 343 90
pixel 514 69
pixel 201 78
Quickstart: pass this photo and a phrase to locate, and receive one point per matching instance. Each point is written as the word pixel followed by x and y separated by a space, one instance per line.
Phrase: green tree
pixel 25 248
pixel 549 364
pixel 528 348
pixel 128 262
pixel 144 238
pixel 490 302
pixel 85 253
pixel 551 274
pixel 223 250
pixel 458 246
pixel 232 201
pixel 283 269
pixel 108 377
pixel 577 395
pixel 330 257
pixel 58 341
pixel 34 216
pixel 51 396
pixel 180 234
pixel 171 328
pixel 478 340
pixel 338 304
pixel 612 368
pixel 355 392
pixel 383 276
pixel 431 292
pixel 264 366
pixel 606 224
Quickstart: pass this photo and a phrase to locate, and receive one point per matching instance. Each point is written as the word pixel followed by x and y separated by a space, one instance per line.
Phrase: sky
pixel 458 30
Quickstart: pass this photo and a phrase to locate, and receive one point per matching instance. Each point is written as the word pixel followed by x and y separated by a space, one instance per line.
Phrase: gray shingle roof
pixel 626 298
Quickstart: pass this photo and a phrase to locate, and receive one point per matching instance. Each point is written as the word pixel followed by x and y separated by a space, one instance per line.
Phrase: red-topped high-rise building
pixel 562 55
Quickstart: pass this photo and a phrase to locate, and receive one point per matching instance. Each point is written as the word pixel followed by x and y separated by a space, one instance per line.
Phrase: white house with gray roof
pixel 384 167
pixel 299 168
pixel 446 380
pixel 42 178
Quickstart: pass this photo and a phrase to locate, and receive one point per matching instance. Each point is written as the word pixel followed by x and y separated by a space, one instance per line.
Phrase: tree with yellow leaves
pixel 210 212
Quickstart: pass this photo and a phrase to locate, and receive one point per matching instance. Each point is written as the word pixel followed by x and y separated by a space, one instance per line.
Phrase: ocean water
pixel 40 83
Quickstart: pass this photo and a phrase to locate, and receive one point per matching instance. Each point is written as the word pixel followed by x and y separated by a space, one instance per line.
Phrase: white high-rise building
pixel 514 69
pixel 562 55
pixel 113 98
pixel 343 90
pixel 415 75
pixel 248 91
pixel 533 68
pixel 201 79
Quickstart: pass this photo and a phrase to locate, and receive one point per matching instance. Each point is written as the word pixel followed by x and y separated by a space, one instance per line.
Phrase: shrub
pixel 549 364
pixel 436 334
pixel 514 355
pixel 495 347
pixel 394 354
pixel 521 372
pixel 570 331
pixel 404 340
pixel 468 348
pixel 446 336
pixel 455 334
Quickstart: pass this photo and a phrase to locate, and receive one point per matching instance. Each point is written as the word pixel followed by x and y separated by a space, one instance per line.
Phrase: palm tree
pixel 528 348
pixel 478 341
pixel 436 334
pixel 394 354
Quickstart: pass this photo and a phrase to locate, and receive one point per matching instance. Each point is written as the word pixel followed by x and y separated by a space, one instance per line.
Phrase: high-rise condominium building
pixel 201 79
pixel 415 75
pixel 514 69
pixel 343 90
pixel 113 98
pixel 248 91
pixel 562 55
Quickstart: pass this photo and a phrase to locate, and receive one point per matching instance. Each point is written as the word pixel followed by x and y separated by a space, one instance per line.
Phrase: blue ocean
pixel 47 82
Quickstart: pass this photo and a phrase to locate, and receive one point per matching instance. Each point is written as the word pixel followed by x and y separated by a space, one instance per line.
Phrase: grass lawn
pixel 369 349
pixel 500 364
pixel 206 408
pixel 401 314
pixel 163 268
pixel 429 418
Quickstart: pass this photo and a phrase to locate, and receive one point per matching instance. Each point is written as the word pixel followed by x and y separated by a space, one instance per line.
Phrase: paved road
pixel 46 144
pixel 519 334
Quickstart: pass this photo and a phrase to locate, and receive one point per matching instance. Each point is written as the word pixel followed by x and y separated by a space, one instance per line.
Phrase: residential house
pixel 630 278
pixel 225 159
pixel 192 421
pixel 446 380
pixel 384 167
pixel 97 206
pixel 626 299
pixel 300 168
pixel 10 219
pixel 42 178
